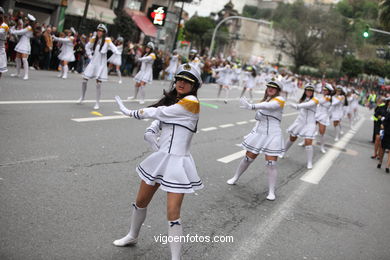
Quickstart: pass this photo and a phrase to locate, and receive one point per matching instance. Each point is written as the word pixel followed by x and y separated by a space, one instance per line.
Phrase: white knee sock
pixel 242 167
pixel 98 94
pixel 61 72
pixel 136 89
pixel 65 71
pixel 337 130
pixel 322 142
pixel 83 89
pixel 175 229
pixel 219 92
pixel 137 219
pixel 250 94
pixel 118 71
pixel 226 93
pixel 25 67
pixel 142 92
pixel 272 171
pixel 18 65
pixel 309 156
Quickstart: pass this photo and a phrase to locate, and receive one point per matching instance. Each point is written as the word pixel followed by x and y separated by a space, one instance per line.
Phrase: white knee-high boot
pixel 322 143
pixel 226 94
pixel 118 71
pixel 18 62
pixel 25 67
pixel 175 232
pixel 137 219
pixel 61 72
pixel 309 156
pixel 65 70
pixel 83 90
pixel 142 93
pixel 242 167
pixel 337 132
pixel 272 171
pixel 98 95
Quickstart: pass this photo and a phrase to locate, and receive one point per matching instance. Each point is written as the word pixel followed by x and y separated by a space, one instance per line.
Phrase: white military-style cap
pixel 102 27
pixel 189 73
pixel 120 39
pixel 274 84
pixel 31 17
pixel 150 45
pixel 309 86
pixel 329 87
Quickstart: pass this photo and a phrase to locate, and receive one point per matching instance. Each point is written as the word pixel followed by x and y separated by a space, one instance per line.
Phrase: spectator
pixel 47 45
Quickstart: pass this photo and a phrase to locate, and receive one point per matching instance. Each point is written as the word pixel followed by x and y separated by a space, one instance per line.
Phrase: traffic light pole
pixel 379 31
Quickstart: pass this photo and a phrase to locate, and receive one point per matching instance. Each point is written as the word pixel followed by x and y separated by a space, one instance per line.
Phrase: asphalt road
pixel 67 181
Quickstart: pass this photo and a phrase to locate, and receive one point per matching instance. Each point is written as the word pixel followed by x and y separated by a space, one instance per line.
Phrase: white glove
pixel 295 106
pixel 151 138
pixel 245 104
pixel 122 107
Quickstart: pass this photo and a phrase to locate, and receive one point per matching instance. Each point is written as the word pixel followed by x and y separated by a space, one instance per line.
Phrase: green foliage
pixel 384 14
pixel 351 66
pixel 199 30
pixel 375 67
pixel 257 13
pixel 125 26
pixel 365 9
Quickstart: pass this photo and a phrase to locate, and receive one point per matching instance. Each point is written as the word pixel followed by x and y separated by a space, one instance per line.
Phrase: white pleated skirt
pixel 306 131
pixel 272 145
pixel 174 173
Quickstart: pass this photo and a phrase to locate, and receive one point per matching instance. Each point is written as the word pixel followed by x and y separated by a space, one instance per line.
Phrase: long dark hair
pixel 266 95
pixel 172 97
pixel 303 98
pixel 96 40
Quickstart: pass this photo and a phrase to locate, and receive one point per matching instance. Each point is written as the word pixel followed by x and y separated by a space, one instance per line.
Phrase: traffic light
pixel 366 33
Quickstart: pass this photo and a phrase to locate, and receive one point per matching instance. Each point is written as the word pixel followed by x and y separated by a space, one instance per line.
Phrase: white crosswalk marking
pixel 226 125
pixel 101 118
pixel 209 129
pixel 242 123
pixel 232 157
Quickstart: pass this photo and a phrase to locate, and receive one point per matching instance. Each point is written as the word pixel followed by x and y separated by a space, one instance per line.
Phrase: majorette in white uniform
pixel 3 56
pixel 323 108
pixel 97 67
pixel 67 53
pixel 116 58
pixel 224 80
pixel 266 137
pixel 305 124
pixel 146 72
pixel 173 64
pixel 23 47
pixel 171 165
pixel 337 110
pixel 323 113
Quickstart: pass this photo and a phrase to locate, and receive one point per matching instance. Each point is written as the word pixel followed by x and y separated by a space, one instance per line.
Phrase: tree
pixel 256 13
pixel 384 14
pixel 375 68
pixel 351 66
pixel 198 30
pixel 125 26
pixel 305 30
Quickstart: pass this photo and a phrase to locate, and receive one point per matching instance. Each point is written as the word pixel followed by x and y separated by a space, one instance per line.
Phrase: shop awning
pixel 143 22
pixel 95 12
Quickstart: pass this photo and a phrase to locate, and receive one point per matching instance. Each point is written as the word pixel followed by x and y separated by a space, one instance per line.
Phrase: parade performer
pixel 250 83
pixel 173 64
pixel 323 112
pixel 96 49
pixel 116 58
pixel 224 80
pixel 379 113
pixel 337 112
pixel 266 137
pixel 305 124
pixel 355 105
pixel 23 48
pixel 171 167
pixel 67 54
pixel 3 37
pixel 145 75
pixel 385 135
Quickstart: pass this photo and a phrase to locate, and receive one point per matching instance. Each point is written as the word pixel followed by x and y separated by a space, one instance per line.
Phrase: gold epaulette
pixel 192 106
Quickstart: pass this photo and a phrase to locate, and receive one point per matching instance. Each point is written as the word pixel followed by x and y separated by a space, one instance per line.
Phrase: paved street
pixel 67 181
